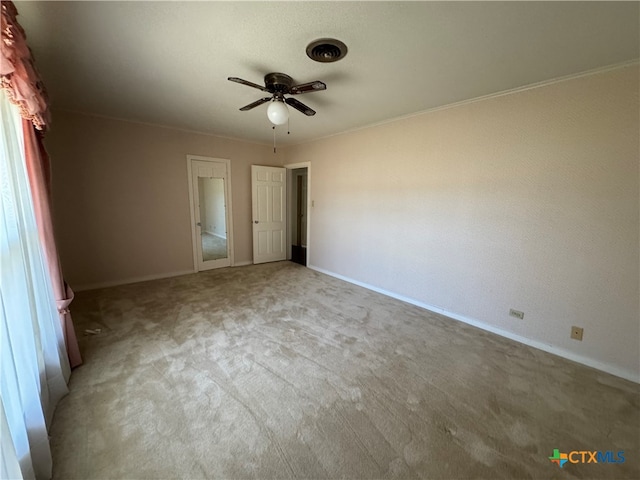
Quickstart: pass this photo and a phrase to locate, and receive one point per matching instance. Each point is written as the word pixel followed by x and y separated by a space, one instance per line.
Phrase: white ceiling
pixel 167 63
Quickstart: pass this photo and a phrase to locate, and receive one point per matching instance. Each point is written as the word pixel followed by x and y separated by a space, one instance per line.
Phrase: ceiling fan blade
pixel 255 104
pixel 300 106
pixel 246 82
pixel 307 87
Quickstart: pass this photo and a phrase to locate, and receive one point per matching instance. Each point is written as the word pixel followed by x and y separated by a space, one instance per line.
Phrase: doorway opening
pixel 298 209
pixel 299 216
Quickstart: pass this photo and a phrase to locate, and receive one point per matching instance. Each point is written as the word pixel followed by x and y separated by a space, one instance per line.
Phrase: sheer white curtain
pixel 34 367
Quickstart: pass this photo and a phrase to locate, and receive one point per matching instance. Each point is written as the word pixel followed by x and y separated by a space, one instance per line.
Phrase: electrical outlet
pixel 516 313
pixel 576 333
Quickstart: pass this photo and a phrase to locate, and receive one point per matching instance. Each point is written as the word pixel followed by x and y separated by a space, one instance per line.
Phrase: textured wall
pixel 121 198
pixel 528 200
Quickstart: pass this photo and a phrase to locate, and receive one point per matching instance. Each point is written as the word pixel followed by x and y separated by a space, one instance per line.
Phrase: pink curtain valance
pixel 18 75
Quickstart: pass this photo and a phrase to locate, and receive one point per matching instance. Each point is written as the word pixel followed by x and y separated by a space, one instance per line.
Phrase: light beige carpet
pixel 275 371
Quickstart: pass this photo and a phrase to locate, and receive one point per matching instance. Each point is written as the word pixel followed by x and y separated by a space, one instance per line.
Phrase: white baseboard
pixel 146 278
pixel 590 362
pixel 242 264
pixel 127 281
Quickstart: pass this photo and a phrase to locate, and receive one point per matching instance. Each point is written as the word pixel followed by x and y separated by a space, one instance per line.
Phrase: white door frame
pixel 290 167
pixel 228 213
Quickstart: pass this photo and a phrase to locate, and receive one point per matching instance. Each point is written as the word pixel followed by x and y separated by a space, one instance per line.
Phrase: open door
pixel 268 187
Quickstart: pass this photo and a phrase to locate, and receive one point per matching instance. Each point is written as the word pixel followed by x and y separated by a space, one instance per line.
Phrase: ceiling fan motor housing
pixel 278 82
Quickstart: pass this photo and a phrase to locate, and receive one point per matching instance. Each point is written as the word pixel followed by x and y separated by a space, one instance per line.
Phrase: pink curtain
pixel 39 180
pixel 19 78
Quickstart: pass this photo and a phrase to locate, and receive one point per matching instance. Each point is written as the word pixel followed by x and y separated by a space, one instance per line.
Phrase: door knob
pixel 199 224
pixel 255 221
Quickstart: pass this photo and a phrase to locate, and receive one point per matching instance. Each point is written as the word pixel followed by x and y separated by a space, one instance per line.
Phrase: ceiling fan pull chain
pixel 274 138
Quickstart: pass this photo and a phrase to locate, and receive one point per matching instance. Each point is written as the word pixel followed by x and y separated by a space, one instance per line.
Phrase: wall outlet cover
pixel 576 333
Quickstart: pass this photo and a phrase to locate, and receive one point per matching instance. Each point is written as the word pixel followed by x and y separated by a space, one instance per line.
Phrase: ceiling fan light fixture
pixel 326 50
pixel 278 112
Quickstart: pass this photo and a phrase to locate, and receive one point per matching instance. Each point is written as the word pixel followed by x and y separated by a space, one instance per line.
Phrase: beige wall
pixel 527 201
pixel 121 198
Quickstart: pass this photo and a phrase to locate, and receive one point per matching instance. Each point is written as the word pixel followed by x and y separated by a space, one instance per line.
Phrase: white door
pixel 209 189
pixel 269 210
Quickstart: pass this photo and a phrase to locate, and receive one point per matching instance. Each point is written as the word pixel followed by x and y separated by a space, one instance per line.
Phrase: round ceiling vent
pixel 326 50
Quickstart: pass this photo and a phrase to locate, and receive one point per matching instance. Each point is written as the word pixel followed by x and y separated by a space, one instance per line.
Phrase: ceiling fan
pixel 279 85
